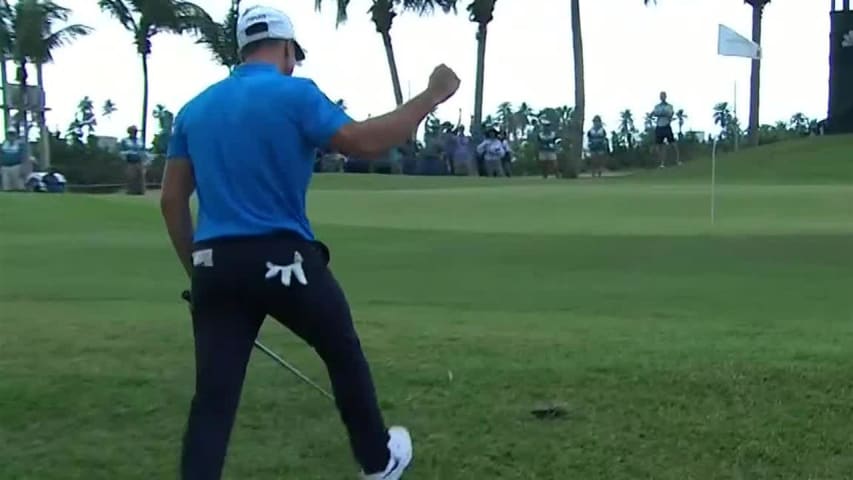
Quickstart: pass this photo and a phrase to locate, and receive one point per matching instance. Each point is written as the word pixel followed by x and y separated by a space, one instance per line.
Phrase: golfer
pixel 246 147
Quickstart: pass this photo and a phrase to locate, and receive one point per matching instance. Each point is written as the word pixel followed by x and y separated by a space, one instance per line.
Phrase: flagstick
pixel 737 130
pixel 713 182
pixel 732 44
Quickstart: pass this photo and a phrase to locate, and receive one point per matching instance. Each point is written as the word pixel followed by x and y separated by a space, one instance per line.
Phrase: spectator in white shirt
pixel 492 149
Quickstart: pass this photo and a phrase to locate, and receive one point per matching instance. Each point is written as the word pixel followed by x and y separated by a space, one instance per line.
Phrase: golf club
pixel 260 346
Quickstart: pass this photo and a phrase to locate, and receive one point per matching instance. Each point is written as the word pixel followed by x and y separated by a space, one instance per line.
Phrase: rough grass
pixel 680 350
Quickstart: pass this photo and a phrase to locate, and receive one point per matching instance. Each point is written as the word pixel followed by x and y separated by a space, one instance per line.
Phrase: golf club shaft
pixel 292 369
pixel 188 298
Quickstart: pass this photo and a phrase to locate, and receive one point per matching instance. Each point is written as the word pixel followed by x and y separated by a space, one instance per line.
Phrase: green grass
pixel 682 351
pixel 814 160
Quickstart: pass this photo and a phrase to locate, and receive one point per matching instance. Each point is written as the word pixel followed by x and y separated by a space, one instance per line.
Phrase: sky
pixel 631 53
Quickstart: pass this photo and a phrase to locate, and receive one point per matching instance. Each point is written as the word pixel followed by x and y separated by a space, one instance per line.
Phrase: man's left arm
pixel 178 186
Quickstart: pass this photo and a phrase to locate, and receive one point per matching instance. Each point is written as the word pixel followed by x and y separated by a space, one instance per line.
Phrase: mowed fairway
pixel 680 350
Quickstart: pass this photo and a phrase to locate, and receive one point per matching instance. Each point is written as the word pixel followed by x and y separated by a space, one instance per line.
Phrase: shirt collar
pixel 255 68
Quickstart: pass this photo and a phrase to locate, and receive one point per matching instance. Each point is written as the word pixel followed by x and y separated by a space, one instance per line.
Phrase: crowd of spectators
pixel 451 151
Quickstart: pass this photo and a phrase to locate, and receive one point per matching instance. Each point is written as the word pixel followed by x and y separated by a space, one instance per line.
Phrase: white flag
pixel 733 44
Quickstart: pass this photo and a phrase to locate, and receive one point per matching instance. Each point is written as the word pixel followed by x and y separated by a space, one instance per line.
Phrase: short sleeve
pixel 319 118
pixel 178 145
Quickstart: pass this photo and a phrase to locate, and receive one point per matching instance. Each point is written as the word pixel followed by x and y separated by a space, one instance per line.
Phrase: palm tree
pixel 565 114
pixel 522 118
pixel 627 128
pixel 146 18
pixel 680 116
pixel 74 133
pixel 221 38
pixel 163 116
pixel 649 122
pixel 799 123
pixel 480 12
pixel 165 120
pixel 576 135
pixel 755 78
pixel 35 39
pixel 490 122
pixel 86 118
pixel 506 118
pixel 383 12
pixel 109 108
pixel 722 116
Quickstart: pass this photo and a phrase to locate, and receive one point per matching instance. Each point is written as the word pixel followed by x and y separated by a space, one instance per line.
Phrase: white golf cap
pixel 261 23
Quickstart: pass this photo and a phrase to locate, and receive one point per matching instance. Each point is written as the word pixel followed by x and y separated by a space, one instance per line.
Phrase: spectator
pixel 333 161
pixel 462 153
pixel 492 150
pixel 663 113
pixel 133 152
pixel 395 159
pixel 599 147
pixel 431 157
pixel 13 159
pixel 446 137
pixel 547 146
pixel 506 161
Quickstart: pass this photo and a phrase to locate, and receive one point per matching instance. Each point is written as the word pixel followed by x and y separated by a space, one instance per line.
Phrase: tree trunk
pixel 4 77
pixel 143 128
pixel 392 65
pixel 576 131
pixel 476 127
pixel 23 125
pixel 755 79
pixel 44 135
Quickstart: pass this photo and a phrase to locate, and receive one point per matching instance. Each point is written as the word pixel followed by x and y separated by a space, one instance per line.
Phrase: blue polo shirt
pixel 251 140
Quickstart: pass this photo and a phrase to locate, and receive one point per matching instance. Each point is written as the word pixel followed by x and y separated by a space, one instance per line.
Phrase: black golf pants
pixel 236 283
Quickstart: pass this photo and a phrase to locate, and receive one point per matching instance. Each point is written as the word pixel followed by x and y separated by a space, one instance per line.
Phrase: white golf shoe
pixel 400 448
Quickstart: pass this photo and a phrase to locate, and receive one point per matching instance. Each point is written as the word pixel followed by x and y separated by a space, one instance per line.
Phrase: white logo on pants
pixel 203 258
pixel 288 271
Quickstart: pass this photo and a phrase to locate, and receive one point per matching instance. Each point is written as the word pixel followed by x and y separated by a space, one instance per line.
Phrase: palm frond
pixel 121 11
pixel 59 38
pixel 481 11
pixel 427 7
pixel 6 28
pixel 33 30
pixel 341 14
pixel 221 38
pixel 190 17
